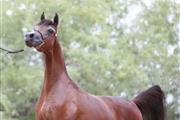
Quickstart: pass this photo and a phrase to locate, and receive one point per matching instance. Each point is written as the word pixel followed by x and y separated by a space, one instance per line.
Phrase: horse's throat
pixel 55 69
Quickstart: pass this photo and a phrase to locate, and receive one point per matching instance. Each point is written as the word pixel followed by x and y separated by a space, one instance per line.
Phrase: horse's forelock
pixel 46 22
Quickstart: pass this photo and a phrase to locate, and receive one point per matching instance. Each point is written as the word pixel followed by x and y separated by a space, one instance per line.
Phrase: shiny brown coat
pixel 62 99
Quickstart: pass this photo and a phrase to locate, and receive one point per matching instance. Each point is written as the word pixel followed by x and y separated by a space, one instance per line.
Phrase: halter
pixel 40 34
pixel 41 38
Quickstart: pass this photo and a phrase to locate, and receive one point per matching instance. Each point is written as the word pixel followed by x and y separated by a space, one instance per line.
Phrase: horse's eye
pixel 50 30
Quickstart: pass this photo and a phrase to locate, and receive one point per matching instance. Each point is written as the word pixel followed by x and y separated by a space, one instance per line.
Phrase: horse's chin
pixel 29 45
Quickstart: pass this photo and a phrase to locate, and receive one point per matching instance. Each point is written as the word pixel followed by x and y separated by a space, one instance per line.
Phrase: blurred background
pixel 111 47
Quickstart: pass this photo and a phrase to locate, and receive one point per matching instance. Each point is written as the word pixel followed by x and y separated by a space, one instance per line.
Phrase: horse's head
pixel 43 35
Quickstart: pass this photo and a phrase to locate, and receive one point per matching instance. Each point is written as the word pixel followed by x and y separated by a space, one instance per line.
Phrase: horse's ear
pixel 56 19
pixel 42 16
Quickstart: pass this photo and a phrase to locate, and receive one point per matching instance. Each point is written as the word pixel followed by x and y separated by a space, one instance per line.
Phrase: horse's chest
pixel 53 111
pixel 48 111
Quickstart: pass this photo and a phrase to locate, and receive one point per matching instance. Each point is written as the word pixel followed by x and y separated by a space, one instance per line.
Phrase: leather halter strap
pixel 41 38
pixel 40 34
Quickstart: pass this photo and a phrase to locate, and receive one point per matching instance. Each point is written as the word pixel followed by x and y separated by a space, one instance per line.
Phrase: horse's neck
pixel 55 69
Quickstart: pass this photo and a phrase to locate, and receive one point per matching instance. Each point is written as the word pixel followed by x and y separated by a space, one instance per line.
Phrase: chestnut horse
pixel 62 99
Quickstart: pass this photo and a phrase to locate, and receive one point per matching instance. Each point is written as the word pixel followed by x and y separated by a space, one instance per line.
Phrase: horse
pixel 62 99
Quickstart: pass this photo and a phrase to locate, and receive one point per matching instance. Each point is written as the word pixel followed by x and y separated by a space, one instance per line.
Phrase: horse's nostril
pixel 31 35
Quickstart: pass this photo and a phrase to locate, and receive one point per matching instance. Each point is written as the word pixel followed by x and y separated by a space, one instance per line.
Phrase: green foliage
pixel 111 47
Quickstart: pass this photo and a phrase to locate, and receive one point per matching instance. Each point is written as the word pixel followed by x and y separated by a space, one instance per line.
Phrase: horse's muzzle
pixel 33 39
